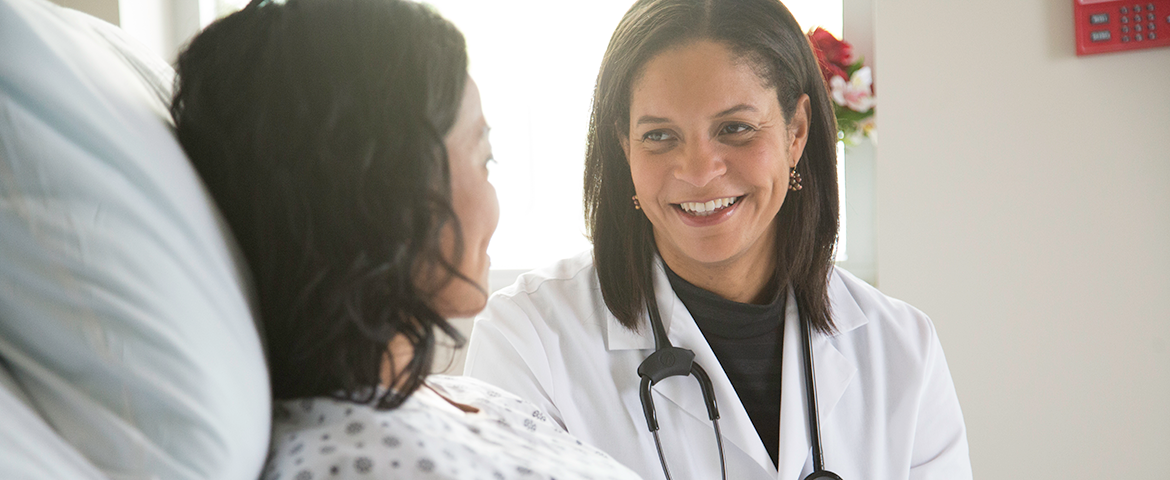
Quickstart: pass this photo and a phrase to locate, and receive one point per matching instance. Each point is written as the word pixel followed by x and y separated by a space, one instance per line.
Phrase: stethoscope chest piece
pixel 822 475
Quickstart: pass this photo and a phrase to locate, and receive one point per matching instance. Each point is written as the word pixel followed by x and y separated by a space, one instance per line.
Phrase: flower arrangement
pixel 850 84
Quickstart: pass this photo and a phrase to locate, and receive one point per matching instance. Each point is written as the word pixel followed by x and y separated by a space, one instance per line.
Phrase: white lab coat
pixel 888 407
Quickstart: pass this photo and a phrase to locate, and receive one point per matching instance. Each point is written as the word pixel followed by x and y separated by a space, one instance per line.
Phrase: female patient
pixel 344 143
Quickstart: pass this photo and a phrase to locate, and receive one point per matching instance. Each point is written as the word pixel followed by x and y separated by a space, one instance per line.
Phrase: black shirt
pixel 746 339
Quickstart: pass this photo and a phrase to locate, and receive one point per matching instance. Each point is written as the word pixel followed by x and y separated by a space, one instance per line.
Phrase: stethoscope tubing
pixel 661 342
pixel 810 390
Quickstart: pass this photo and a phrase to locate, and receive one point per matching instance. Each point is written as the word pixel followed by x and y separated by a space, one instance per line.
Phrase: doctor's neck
pixel 744 280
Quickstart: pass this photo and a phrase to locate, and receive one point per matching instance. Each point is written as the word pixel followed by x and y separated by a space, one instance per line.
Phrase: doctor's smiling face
pixel 709 151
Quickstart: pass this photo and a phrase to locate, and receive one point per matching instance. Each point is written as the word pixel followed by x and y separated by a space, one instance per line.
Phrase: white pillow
pixel 34 450
pixel 123 309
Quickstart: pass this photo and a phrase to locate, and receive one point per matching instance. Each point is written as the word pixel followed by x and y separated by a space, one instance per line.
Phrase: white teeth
pixel 703 209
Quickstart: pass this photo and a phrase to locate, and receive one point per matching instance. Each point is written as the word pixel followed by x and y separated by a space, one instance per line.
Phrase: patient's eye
pixel 489 164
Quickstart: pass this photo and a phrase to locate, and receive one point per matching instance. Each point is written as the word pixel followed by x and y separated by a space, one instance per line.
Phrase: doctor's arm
pixel 940 439
pixel 506 351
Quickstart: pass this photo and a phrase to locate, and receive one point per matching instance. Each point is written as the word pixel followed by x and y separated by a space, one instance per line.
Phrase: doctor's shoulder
pixel 896 325
pixel 897 351
pixel 516 341
pixel 565 294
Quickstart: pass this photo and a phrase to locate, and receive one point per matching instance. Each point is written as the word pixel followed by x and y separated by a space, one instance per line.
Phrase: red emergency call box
pixel 1104 26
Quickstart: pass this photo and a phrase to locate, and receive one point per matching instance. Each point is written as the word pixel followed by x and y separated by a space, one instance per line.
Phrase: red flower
pixel 837 52
pixel 829 70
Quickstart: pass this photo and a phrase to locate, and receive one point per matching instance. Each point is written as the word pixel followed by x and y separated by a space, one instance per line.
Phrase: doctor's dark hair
pixel 318 126
pixel 764 33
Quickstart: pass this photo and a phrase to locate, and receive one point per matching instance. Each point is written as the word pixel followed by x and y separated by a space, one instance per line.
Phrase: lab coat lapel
pixel 684 392
pixel 833 372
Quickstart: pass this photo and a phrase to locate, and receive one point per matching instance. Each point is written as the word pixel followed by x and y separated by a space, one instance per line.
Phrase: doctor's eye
pixel 734 128
pixel 657 136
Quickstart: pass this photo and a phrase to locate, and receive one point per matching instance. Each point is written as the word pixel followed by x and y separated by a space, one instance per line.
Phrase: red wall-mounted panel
pixel 1104 26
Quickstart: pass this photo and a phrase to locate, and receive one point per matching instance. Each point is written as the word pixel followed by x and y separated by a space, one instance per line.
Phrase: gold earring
pixel 794 180
pixel 637 204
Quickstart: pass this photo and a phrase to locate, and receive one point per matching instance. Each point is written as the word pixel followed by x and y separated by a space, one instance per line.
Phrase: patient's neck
pixel 401 351
pixel 398 355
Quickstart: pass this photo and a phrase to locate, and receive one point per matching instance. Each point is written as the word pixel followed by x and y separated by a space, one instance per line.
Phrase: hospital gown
pixel 429 438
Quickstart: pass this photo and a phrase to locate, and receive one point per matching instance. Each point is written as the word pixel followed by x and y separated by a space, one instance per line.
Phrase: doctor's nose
pixel 700 163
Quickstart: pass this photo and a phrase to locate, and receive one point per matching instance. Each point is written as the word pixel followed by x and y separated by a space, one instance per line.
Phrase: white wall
pixel 163 26
pixel 1023 201
pixel 860 219
pixel 104 9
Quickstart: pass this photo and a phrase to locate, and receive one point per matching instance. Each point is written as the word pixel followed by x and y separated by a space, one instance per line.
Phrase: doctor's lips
pixel 703 209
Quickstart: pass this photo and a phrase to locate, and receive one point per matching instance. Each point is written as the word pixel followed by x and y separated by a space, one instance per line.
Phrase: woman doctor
pixel 711 200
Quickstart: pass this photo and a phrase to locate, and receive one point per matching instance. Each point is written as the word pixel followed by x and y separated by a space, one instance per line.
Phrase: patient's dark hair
pixel 317 126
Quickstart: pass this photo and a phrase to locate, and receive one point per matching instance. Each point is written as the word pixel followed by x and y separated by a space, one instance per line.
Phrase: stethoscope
pixel 670 361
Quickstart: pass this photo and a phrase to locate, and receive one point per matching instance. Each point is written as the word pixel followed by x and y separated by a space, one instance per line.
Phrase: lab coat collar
pixel 622 338
pixel 833 370
pixel 847 315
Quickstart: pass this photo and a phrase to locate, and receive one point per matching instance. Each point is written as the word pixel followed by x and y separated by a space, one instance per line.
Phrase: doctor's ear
pixel 625 141
pixel 798 129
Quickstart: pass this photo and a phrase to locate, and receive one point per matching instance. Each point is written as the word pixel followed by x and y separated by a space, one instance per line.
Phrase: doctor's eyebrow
pixel 650 119
pixel 743 107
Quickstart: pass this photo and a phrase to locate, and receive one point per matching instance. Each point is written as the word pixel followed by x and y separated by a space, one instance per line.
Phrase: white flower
pixel 857 93
pixel 869 128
